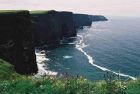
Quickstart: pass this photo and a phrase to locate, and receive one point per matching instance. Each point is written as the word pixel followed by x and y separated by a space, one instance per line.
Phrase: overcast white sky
pixel 104 7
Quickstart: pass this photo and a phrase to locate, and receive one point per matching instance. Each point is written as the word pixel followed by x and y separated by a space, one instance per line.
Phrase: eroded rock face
pixel 46 28
pixel 66 20
pixel 97 18
pixel 51 26
pixel 81 20
pixel 16 41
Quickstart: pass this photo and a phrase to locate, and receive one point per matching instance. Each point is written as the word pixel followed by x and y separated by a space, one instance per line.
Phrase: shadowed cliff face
pixel 67 24
pixel 50 27
pixel 16 41
pixel 97 18
pixel 81 20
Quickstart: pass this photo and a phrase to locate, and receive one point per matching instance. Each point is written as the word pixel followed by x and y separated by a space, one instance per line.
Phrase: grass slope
pixel 39 12
pixel 13 83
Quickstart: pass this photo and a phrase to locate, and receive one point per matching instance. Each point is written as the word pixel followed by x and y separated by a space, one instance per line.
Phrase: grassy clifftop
pixel 11 11
pixel 13 83
pixel 39 12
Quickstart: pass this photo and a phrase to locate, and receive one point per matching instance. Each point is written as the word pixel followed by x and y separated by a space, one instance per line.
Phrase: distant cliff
pixel 81 20
pixel 97 18
pixel 51 26
pixel 16 41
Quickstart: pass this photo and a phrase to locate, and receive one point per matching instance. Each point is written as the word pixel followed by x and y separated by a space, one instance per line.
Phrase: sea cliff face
pixel 51 26
pixel 22 31
pixel 16 41
pixel 97 18
pixel 81 20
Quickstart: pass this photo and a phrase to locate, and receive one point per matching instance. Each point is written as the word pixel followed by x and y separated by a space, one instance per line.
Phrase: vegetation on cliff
pixel 38 12
pixel 13 83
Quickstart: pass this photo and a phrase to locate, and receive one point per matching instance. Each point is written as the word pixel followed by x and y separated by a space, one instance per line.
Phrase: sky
pixel 98 7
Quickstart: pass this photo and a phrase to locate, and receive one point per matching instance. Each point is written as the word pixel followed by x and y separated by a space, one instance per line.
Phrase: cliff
pixel 21 31
pixel 16 41
pixel 51 26
pixel 97 18
pixel 81 20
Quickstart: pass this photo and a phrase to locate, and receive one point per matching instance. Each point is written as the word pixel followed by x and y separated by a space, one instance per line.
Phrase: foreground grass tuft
pixel 13 83
pixel 7 71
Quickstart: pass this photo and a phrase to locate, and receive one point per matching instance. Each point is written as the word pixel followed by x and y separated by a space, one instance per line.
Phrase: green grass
pixel 7 71
pixel 39 12
pixel 11 11
pixel 13 83
pixel 32 12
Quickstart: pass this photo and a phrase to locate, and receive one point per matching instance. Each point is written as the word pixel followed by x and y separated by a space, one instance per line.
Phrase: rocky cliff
pixel 51 26
pixel 16 41
pixel 81 20
pixel 21 31
pixel 97 18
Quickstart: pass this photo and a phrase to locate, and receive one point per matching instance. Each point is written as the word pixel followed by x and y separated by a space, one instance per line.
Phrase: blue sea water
pixel 112 45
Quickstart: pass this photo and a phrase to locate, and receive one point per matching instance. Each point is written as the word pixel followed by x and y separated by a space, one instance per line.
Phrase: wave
pixel 42 67
pixel 67 57
pixel 79 46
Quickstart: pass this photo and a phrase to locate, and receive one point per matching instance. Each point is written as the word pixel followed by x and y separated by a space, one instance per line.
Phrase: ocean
pixel 107 46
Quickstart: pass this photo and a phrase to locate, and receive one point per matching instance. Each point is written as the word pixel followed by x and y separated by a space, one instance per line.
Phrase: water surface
pixel 113 45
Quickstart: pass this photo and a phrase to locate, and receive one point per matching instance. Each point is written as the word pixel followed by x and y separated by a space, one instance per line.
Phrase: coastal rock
pixel 16 41
pixel 81 20
pixel 66 20
pixel 97 18
pixel 51 26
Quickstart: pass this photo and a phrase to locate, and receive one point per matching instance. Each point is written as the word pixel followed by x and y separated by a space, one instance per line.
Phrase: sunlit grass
pixel 11 11
pixel 38 12
pixel 13 83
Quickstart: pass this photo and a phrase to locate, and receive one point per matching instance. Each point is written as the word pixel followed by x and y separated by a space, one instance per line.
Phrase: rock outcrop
pixel 97 18
pixel 81 20
pixel 16 41
pixel 51 26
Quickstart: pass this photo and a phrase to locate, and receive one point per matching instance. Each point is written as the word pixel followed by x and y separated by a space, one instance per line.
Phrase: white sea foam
pixel 72 43
pixel 42 71
pixel 67 57
pixel 40 59
pixel 79 46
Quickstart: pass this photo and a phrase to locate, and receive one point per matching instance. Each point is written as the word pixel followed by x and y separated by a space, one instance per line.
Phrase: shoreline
pixel 42 67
